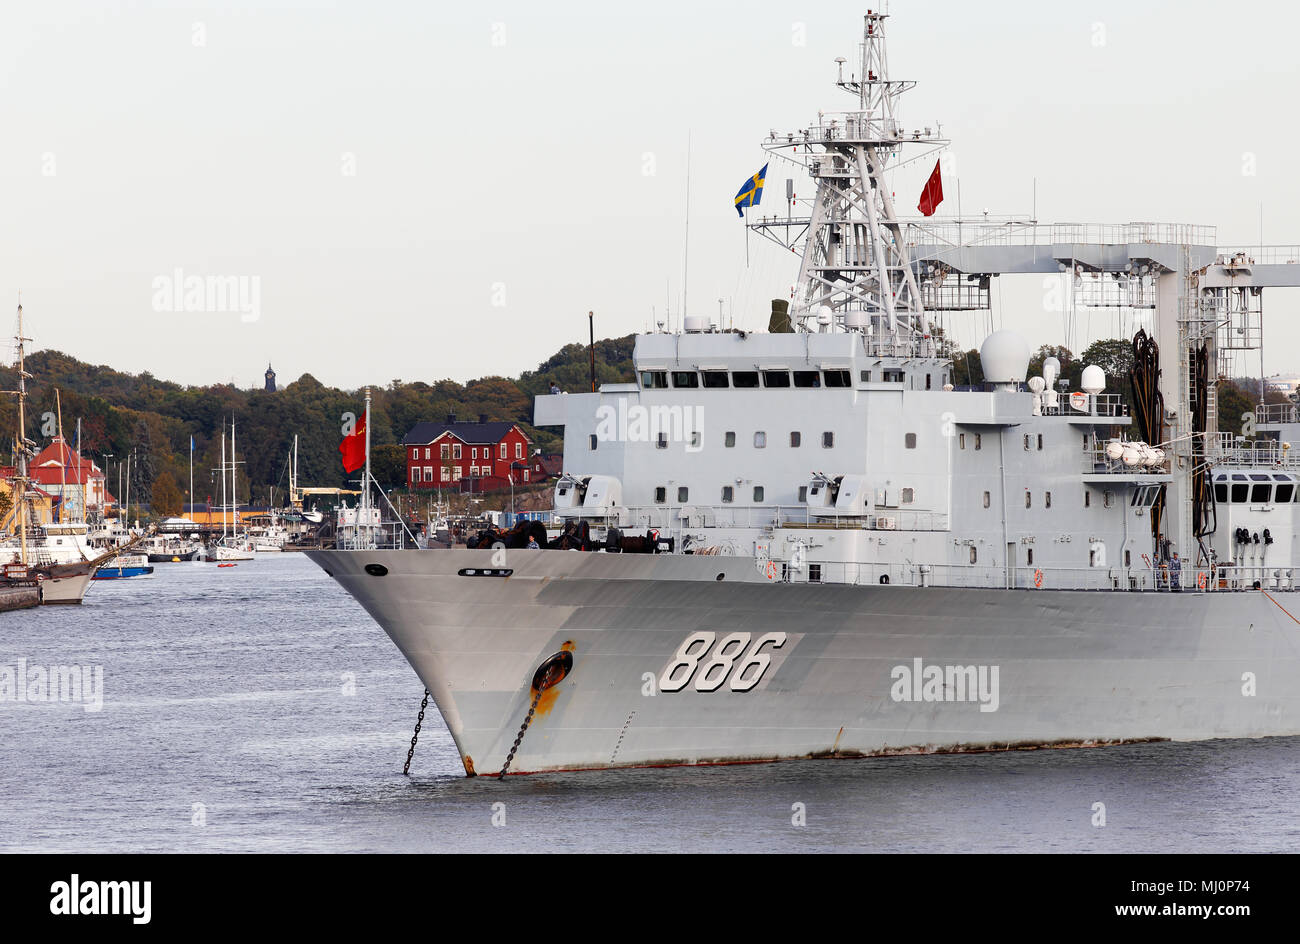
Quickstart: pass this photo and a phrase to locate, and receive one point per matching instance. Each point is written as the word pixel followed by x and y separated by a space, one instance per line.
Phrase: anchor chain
pixel 406 769
pixel 532 710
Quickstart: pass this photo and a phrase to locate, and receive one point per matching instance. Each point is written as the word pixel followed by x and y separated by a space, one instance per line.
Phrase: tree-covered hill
pixel 123 412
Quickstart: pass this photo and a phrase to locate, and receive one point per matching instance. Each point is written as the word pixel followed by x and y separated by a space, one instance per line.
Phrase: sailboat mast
pixel 365 486
pixel 63 458
pixel 234 497
pixel 81 480
pixel 20 480
pixel 223 484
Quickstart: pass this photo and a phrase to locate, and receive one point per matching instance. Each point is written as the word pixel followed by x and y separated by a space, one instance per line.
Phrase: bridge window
pixel 746 379
pixel 977 440
pixel 961 440
pixel 686 378
pixel 1087 498
pixel 866 376
pixel 1221 492
pixel 683 493
pixel 795 439
pixel 654 379
pixel 1240 491
pixel 909 495
pixel 727 494
pixel 828 440
pixel 972 554
pixel 593 441
pixel 1284 493
pixel 836 378
pixel 807 378
pixel 1259 494
pixel 1029 557
pixel 758 494
pixel 909 440
pixel 729 439
pixel 987 499
pixel 1029 498
pixel 1040 442
pixel 776 378
pixel 803 493
pixel 714 379
pixel 661 494
pixel 1047 500
pixel 760 440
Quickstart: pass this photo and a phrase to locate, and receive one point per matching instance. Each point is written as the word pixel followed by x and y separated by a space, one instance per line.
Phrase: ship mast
pixel 856 272
pixel 24 449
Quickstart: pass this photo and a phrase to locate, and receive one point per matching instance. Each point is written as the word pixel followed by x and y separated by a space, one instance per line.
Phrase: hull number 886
pixel 733 658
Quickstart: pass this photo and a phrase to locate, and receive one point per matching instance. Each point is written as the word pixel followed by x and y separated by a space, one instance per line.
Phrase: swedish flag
pixel 751 192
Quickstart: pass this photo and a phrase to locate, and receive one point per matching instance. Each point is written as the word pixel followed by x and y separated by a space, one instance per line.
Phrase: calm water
pixel 257 708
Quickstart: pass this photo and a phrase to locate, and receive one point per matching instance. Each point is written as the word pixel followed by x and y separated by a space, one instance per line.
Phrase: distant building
pixel 1282 383
pixel 42 502
pixel 546 466
pixel 270 379
pixel 76 480
pixel 467 456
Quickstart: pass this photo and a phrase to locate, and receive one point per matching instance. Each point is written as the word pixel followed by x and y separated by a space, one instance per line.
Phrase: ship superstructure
pixel 819 540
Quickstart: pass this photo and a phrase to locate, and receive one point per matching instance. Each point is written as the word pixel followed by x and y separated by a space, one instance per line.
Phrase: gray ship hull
pixel 850 670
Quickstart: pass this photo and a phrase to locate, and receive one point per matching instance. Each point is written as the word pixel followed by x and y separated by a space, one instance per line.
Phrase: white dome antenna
pixel 1004 357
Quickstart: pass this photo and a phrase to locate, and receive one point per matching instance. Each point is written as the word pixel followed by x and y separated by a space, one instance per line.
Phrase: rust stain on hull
pixel 998 748
pixel 469 766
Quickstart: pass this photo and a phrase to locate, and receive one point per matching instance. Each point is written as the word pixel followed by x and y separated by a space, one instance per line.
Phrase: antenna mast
pixel 856 272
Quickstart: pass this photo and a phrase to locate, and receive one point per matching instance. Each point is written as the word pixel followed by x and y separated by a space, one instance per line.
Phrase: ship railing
pixel 1277 413
pixel 388 536
pixel 1265 255
pixel 925 232
pixel 1098 404
pixel 670 519
pixel 1227 452
pixel 1147 579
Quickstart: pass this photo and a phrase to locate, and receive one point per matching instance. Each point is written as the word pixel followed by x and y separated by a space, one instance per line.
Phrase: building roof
pixel 422 434
pixel 45 467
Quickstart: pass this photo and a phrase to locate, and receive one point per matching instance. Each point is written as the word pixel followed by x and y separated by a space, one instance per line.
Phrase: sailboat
pixel 231 546
pixel 54 555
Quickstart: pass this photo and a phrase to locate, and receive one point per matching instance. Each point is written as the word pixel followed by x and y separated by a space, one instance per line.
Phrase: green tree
pixel 167 497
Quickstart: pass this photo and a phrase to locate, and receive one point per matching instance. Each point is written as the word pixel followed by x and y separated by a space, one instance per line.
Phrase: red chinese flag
pixel 932 195
pixel 353 448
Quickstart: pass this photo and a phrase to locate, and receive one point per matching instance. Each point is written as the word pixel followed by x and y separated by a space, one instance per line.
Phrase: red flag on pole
pixel 353 447
pixel 932 195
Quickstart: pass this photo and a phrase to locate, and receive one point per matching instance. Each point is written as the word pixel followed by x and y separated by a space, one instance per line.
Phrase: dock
pixel 19 598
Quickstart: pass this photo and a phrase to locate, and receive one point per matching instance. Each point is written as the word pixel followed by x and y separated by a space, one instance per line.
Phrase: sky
pixel 418 191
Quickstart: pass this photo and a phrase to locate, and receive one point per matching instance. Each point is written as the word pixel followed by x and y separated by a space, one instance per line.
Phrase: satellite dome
pixel 825 314
pixel 1036 384
pixel 1093 380
pixel 1051 370
pixel 1004 357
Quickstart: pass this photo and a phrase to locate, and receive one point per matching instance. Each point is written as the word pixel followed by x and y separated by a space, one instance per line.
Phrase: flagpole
pixel 191 474
pixel 365 486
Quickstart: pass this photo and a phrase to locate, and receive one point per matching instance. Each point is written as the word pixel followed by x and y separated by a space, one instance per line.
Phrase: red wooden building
pixel 454 455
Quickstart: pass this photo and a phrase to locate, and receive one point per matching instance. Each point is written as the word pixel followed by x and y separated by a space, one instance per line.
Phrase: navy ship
pixel 817 541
